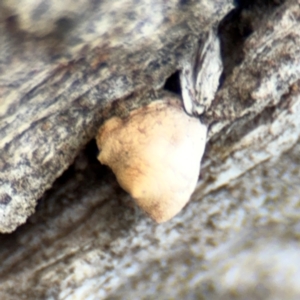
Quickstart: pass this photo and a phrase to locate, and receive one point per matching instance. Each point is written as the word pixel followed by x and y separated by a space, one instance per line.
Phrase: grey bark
pixel 238 237
pixel 57 86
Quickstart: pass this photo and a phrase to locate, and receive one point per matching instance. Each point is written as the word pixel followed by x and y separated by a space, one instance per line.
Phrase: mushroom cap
pixel 155 154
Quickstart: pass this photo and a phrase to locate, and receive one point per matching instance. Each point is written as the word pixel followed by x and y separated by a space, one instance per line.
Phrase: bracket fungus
pixel 155 154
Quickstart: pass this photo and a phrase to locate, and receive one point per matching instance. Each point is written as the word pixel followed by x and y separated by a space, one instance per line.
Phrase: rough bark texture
pixel 239 236
pixel 56 85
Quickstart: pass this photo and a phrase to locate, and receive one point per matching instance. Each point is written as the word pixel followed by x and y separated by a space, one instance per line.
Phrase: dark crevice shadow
pixel 82 203
pixel 173 84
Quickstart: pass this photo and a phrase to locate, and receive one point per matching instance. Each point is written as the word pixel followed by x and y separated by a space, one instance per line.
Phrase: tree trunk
pixel 65 68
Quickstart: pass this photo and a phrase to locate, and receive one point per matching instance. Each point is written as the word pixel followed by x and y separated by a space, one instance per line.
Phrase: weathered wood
pixel 55 85
pixel 255 115
pixel 88 240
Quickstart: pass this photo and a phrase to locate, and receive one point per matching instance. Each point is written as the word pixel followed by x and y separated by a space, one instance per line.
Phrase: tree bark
pixel 87 239
pixel 60 74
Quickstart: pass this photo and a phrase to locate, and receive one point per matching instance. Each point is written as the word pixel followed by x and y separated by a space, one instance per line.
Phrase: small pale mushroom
pixel 155 154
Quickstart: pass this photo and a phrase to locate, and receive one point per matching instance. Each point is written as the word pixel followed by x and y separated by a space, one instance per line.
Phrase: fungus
pixel 155 154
